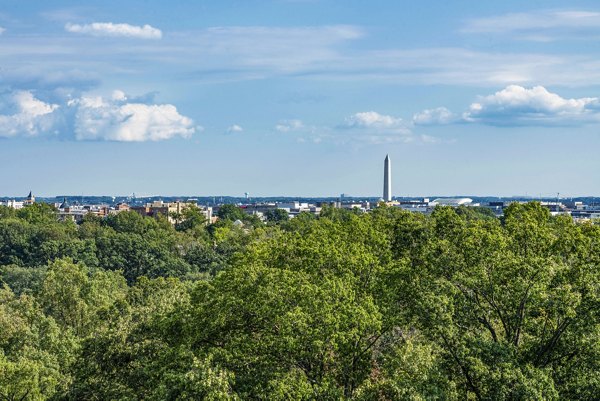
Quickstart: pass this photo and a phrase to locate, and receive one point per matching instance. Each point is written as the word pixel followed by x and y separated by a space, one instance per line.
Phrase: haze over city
pixel 290 98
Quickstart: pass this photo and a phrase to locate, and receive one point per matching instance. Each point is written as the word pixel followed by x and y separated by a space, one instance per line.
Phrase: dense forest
pixel 386 305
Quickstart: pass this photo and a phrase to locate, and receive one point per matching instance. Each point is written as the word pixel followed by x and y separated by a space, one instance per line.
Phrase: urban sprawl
pixel 75 208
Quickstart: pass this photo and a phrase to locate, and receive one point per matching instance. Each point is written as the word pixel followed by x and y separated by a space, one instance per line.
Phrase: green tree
pixel 22 280
pixel 7 212
pixel 141 356
pixel 80 300
pixel 130 222
pixel 16 238
pixel 34 354
pixel 507 311
pixel 384 305
pixel 475 212
pixel 276 216
pixel 295 317
pixel 230 212
pixel 191 218
pixel 38 213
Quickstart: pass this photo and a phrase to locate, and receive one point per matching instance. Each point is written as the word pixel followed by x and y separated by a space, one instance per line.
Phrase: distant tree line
pixel 386 305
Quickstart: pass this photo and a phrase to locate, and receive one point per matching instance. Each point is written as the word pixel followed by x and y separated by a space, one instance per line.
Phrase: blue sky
pixel 299 97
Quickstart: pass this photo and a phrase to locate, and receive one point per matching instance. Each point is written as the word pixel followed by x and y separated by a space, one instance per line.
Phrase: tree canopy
pixel 386 305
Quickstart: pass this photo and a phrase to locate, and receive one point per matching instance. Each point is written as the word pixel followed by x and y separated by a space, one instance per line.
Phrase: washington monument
pixel 387 179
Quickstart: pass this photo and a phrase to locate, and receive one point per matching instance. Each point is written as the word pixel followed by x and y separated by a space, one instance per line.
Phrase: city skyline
pixel 299 98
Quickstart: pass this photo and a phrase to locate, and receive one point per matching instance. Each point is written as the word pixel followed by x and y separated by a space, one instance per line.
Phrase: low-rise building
pixel 173 211
pixel 66 211
pixel 12 204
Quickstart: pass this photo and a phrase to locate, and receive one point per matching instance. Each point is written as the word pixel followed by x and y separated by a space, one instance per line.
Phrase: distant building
pixel 65 204
pixel 454 202
pixel 122 207
pixel 554 207
pixel 295 208
pixel 30 200
pixel 295 205
pixel 12 204
pixel 170 210
pixel 497 207
pixel 574 205
pixel 363 207
pixel 259 209
pixel 421 205
pixel 74 213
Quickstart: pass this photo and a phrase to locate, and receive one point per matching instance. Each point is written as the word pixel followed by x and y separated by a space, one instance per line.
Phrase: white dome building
pixel 454 202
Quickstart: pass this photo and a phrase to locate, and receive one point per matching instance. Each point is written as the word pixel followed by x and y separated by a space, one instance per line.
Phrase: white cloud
pixel 374 128
pixel 234 128
pixel 225 54
pixel 119 96
pixel 357 130
pixel 281 50
pixel 2 30
pixel 31 116
pixel 289 125
pixel 305 133
pixel 372 119
pixel 517 105
pixel 429 139
pixel 116 120
pixel 437 116
pixel 381 139
pixel 542 25
pixel 115 30
pixel 29 105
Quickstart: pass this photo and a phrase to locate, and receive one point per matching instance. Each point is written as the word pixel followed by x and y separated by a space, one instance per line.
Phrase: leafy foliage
pixel 276 215
pixel 385 305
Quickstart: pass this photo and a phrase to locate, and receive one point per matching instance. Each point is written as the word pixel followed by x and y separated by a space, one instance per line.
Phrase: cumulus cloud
pixel 118 95
pixel 2 30
pixel 234 129
pixel 289 125
pixel 116 119
pixel 115 30
pixel 517 105
pixel 437 116
pixel 30 116
pixel 372 119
